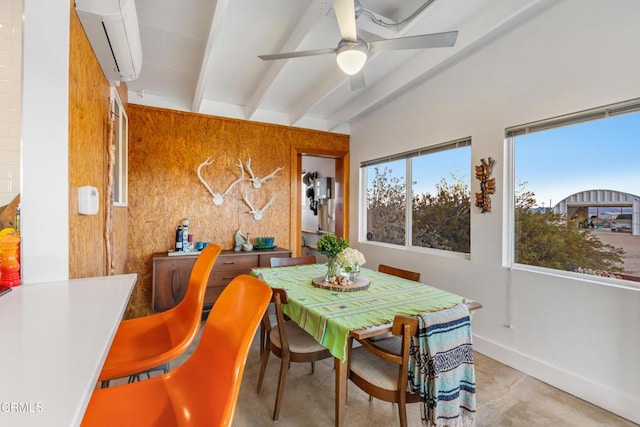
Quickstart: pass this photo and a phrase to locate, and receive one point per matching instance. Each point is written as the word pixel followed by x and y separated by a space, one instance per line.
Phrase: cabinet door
pixel 170 281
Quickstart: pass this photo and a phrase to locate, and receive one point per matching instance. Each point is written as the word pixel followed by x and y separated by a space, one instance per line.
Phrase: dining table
pixel 332 314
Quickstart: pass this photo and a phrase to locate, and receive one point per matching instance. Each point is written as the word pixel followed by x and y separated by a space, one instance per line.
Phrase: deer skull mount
pixel 257 213
pixel 257 182
pixel 218 198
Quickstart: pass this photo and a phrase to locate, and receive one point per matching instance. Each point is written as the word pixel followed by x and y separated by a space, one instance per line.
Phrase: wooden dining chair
pixel 290 343
pixel 285 262
pixel 394 271
pixel 380 368
pixel 280 262
pixel 203 391
pixel 150 342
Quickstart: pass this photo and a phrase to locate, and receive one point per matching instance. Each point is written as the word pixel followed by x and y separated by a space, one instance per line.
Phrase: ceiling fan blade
pixel 357 81
pixel 447 39
pixel 346 16
pixel 299 54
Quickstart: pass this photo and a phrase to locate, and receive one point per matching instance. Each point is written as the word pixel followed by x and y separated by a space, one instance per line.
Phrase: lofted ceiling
pixel 202 55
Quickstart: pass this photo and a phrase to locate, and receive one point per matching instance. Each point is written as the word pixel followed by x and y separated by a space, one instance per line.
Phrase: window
pixel 576 186
pixel 432 212
pixel 120 159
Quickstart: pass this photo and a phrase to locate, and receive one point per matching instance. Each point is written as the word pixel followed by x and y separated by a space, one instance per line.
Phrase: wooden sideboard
pixel 171 274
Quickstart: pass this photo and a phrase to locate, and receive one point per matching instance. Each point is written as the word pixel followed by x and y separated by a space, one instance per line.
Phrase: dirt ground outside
pixel 630 244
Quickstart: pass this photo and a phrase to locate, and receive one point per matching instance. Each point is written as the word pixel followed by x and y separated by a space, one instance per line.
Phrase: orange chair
pixel 203 391
pixel 149 342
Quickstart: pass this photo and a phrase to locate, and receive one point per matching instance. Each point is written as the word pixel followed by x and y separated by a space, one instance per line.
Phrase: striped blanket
pixel 441 368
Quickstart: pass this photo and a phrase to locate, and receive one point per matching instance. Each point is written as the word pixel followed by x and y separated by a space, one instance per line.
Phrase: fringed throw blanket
pixel 441 368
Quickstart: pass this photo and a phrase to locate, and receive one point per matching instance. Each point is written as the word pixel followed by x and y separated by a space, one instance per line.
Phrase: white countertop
pixel 54 338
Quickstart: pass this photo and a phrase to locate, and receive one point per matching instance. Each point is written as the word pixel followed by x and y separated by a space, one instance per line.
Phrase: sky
pixel 600 154
pixel 554 164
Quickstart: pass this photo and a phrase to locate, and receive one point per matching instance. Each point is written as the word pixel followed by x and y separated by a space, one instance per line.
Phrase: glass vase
pixel 333 269
pixel 354 271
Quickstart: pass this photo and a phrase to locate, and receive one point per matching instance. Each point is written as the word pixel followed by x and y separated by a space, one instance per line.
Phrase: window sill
pixel 419 250
pixel 581 277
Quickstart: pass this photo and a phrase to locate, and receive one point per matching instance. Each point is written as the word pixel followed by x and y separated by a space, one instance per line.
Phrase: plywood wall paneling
pixel 165 149
pixel 89 94
pixel 88 111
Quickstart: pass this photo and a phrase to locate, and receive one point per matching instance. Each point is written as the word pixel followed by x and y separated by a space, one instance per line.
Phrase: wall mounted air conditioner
pixel 112 29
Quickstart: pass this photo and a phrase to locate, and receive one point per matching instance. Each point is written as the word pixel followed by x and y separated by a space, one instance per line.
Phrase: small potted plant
pixel 330 246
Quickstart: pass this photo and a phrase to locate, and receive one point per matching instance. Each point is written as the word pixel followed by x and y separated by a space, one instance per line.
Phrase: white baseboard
pixel 601 395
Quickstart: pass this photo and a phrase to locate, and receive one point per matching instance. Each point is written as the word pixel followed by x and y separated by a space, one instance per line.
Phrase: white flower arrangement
pixel 350 257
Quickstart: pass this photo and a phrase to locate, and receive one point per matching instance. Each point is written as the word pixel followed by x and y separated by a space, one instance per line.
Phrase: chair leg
pixel 402 411
pixel 262 339
pixel 313 367
pixel 284 369
pixel 264 359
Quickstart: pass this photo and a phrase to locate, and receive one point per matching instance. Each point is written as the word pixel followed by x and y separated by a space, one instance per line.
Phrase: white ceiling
pixel 201 56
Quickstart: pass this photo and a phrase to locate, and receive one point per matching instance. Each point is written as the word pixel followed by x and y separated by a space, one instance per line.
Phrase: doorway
pixel 340 184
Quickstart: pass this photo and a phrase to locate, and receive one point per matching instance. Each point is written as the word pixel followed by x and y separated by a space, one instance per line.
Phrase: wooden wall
pixel 165 149
pixel 88 119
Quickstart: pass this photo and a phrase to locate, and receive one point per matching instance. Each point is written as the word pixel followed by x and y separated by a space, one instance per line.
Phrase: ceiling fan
pixel 352 52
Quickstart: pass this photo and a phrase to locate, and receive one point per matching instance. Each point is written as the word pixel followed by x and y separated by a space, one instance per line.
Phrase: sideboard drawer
pixel 236 262
pixel 171 274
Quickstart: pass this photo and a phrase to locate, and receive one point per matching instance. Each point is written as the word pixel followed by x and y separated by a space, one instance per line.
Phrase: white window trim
pixel 362 202
pixel 510 186
pixel 122 170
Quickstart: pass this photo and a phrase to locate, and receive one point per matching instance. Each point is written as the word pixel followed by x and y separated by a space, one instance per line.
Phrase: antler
pixel 237 181
pixel 205 163
pixel 271 175
pixel 218 198
pixel 257 182
pixel 245 197
pixel 253 177
pixel 257 213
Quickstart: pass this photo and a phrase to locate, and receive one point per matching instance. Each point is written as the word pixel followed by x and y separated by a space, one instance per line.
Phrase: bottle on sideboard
pixel 185 235
pixel 179 239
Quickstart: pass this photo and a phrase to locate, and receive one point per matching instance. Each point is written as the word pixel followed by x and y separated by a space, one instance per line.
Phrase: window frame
pixel 408 156
pixel 509 232
pixel 121 154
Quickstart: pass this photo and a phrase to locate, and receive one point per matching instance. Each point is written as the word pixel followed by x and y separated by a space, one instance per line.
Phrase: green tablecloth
pixel 330 315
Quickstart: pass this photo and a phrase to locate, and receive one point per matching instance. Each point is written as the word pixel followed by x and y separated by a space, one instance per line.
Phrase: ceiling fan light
pixel 351 59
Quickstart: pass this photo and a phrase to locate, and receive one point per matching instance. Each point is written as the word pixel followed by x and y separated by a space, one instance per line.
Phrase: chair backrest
pixel 301 260
pixel 405 274
pixel 405 327
pixel 278 298
pixel 187 315
pixel 209 381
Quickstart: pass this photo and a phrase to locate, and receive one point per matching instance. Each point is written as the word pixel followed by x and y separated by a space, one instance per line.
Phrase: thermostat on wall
pixel 87 200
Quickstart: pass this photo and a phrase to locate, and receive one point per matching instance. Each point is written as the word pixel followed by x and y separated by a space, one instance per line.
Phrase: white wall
pixel 578 335
pixel 45 142
pixel 10 93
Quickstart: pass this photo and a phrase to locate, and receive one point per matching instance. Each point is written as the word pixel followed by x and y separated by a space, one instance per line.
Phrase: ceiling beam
pixel 426 65
pixel 311 17
pixel 332 82
pixel 219 14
